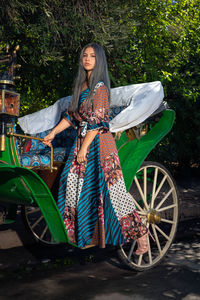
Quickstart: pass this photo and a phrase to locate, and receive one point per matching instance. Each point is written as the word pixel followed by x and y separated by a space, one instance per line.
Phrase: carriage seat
pixel 115 110
pixel 36 154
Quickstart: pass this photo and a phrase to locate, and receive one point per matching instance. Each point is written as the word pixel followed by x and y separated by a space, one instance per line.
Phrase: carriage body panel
pixel 149 184
pixel 22 186
pixel 133 153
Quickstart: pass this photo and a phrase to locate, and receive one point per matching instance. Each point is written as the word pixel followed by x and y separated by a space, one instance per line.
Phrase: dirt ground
pixel 95 274
pixel 30 271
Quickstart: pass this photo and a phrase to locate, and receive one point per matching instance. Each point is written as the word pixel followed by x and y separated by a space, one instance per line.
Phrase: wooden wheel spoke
pixel 156 238
pixel 154 187
pixel 38 221
pixel 37 225
pixel 167 221
pixel 44 231
pixel 162 232
pixel 166 207
pixel 132 249
pixel 159 187
pixel 142 213
pixel 32 211
pixel 141 192
pixel 136 204
pixel 164 199
pixel 145 187
pixel 149 252
pixel 140 260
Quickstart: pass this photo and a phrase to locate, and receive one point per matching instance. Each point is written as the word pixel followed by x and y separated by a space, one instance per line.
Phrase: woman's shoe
pixel 143 245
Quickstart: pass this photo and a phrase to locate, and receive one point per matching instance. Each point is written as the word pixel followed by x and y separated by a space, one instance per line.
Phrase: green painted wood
pixel 11 215
pixel 12 188
pixel 6 155
pixel 133 153
pixel 22 186
pixel 33 190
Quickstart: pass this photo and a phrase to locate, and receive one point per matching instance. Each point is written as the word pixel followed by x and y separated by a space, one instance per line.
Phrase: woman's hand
pixel 49 138
pixel 82 154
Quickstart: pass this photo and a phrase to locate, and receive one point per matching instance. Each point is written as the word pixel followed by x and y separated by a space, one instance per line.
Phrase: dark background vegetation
pixel 144 41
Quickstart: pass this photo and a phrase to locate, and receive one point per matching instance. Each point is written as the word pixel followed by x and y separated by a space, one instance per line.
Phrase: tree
pixel 144 41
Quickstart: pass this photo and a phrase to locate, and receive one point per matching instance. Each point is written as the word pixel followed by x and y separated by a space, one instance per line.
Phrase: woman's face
pixel 89 60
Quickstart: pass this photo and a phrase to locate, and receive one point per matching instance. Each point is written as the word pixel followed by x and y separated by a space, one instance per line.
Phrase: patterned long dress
pixel 92 197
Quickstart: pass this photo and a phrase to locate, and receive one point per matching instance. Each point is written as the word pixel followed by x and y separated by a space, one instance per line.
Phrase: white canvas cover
pixel 45 118
pixel 141 100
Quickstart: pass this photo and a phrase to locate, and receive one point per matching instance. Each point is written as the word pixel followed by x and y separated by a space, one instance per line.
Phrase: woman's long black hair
pixel 99 73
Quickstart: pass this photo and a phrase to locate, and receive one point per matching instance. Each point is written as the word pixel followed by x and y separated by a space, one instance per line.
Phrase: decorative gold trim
pixel 89 246
pixel 153 217
pixel 12 134
pixel 12 151
pixel 4 162
pixel 7 82
pixel 5 60
pixel 41 168
pixel 16 49
pixel 16 152
pixel 17 66
pixel 3 142
pixel 24 184
pixel 51 160
pixel 130 134
pixel 3 100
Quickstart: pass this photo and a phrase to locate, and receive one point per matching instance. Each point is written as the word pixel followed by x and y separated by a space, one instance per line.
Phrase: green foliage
pixel 172 53
pixel 144 41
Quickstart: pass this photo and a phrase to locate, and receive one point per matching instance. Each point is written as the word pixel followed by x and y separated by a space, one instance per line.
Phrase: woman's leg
pixel 143 245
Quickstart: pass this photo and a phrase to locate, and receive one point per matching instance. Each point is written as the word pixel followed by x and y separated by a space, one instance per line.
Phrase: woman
pixel 92 199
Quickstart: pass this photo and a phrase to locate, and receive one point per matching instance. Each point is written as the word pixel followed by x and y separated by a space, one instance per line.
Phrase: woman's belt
pixel 82 129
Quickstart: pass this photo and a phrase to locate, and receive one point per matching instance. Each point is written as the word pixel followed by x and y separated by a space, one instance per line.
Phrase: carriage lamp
pixel 9 99
pixel 9 106
pixel 9 102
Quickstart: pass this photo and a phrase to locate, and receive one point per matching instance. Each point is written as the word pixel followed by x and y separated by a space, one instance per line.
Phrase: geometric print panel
pixel 120 199
pixel 73 190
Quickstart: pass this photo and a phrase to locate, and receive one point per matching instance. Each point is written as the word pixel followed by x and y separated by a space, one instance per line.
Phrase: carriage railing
pixel 135 132
pixel 51 167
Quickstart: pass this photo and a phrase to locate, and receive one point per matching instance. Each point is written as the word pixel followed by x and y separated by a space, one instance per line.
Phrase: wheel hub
pixel 153 217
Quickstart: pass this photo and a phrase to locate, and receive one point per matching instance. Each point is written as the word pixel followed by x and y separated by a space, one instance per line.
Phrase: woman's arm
pixel 98 123
pixel 89 137
pixel 64 124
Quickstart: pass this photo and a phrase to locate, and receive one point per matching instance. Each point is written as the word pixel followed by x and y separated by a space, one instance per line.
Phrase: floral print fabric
pixel 92 199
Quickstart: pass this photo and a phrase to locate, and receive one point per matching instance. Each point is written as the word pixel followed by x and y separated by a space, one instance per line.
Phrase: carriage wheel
pixel 36 224
pixel 155 196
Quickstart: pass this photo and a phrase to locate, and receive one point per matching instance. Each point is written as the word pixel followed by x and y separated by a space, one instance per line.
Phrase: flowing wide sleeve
pixel 70 117
pixel 99 118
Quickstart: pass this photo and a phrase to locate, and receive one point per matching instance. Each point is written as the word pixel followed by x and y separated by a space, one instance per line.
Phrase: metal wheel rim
pixel 148 260
pixel 37 225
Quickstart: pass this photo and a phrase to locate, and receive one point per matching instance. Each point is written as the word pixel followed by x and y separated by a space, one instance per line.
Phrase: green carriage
pixel 33 187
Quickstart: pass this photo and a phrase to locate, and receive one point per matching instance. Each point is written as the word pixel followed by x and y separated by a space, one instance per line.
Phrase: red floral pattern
pixel 132 226
pixel 96 116
pixel 112 169
pixel 69 221
pixel 101 211
pixel 93 116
